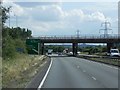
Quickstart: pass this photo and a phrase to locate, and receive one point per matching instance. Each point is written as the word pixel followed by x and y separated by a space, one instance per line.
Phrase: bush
pixel 21 45
pixel 8 48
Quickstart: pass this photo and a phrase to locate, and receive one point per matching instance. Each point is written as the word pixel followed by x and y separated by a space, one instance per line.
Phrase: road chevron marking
pixel 94 78
pixel 43 80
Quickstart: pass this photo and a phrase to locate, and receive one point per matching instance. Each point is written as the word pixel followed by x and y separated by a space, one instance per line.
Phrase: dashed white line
pixel 94 78
pixel 84 71
pixel 78 66
pixel 43 80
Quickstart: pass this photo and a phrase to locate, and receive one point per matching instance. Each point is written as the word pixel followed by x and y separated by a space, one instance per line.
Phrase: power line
pixel 78 33
pixel 106 28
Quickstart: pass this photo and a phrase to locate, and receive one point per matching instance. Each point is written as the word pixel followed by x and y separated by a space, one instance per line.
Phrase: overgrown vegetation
pixel 106 60
pixel 18 68
pixel 13 41
pixel 55 48
pixel 94 50
pixel 17 73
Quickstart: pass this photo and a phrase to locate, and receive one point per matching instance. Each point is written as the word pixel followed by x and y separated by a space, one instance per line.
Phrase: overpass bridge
pixel 111 40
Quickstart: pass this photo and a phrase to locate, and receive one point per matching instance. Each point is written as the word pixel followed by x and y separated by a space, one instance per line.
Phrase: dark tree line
pixel 55 48
pixel 16 33
pixel 13 39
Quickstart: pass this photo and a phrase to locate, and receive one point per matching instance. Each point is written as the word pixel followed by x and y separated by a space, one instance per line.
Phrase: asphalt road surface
pixel 71 72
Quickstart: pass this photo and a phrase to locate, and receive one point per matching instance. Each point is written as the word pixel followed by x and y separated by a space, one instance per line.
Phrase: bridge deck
pixel 80 39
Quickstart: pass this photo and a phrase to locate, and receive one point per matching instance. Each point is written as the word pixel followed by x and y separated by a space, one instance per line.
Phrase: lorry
pixel 114 53
pixel 49 51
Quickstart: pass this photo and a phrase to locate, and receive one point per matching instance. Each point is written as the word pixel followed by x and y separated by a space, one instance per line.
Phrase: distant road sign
pixel 32 46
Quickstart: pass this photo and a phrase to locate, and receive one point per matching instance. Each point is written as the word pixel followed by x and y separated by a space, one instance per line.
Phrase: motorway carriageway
pixel 71 72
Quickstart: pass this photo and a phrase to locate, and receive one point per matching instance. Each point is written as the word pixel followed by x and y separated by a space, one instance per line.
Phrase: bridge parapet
pixel 115 36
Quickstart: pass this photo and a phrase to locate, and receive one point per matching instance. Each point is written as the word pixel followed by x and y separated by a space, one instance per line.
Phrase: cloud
pixel 15 9
pixel 96 16
pixel 52 17
pixel 46 13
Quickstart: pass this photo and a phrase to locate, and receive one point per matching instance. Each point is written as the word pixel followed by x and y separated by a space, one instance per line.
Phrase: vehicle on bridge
pixel 114 53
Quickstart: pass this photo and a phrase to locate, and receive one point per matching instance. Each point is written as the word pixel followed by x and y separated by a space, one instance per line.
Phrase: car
pixel 114 53
pixel 59 53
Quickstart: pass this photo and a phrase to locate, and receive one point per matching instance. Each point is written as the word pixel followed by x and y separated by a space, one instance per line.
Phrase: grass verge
pixel 114 62
pixel 17 73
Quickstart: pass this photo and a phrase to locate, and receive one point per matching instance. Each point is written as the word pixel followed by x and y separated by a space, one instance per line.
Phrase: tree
pixel 13 39
pixel 3 13
pixel 8 48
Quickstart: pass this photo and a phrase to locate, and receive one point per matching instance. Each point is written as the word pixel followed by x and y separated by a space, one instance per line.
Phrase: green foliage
pixel 55 48
pixel 95 49
pixel 8 48
pixel 16 33
pixel 3 13
pixel 104 49
pixel 13 38
pixel 20 44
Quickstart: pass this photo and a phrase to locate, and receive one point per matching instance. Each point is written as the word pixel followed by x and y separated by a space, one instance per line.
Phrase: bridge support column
pixel 75 47
pixel 42 48
pixel 109 46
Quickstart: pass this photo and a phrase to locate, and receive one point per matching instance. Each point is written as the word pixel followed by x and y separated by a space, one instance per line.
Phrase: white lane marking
pixel 94 78
pixel 43 80
pixel 115 68
pixel 78 66
pixel 100 64
pixel 84 71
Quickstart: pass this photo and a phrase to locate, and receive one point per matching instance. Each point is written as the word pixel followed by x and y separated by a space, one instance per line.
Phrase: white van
pixel 114 53
pixel 50 51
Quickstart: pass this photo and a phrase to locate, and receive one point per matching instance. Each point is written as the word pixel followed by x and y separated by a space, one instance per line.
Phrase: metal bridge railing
pixel 115 36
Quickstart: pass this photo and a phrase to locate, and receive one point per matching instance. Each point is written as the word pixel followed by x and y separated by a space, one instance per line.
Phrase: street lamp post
pixel 9 19
pixel 16 20
pixel 9 15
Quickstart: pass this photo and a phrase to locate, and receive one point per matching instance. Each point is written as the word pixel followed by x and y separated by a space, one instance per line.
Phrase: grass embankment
pixel 18 72
pixel 107 61
pixel 111 61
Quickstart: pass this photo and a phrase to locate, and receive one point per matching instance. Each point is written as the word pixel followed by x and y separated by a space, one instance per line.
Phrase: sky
pixel 63 18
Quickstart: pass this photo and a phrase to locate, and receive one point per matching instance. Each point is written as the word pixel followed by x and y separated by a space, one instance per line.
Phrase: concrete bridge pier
pixel 109 46
pixel 74 47
pixel 42 48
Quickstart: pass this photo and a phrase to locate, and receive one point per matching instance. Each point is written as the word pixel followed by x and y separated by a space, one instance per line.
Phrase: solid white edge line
pixel 43 80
